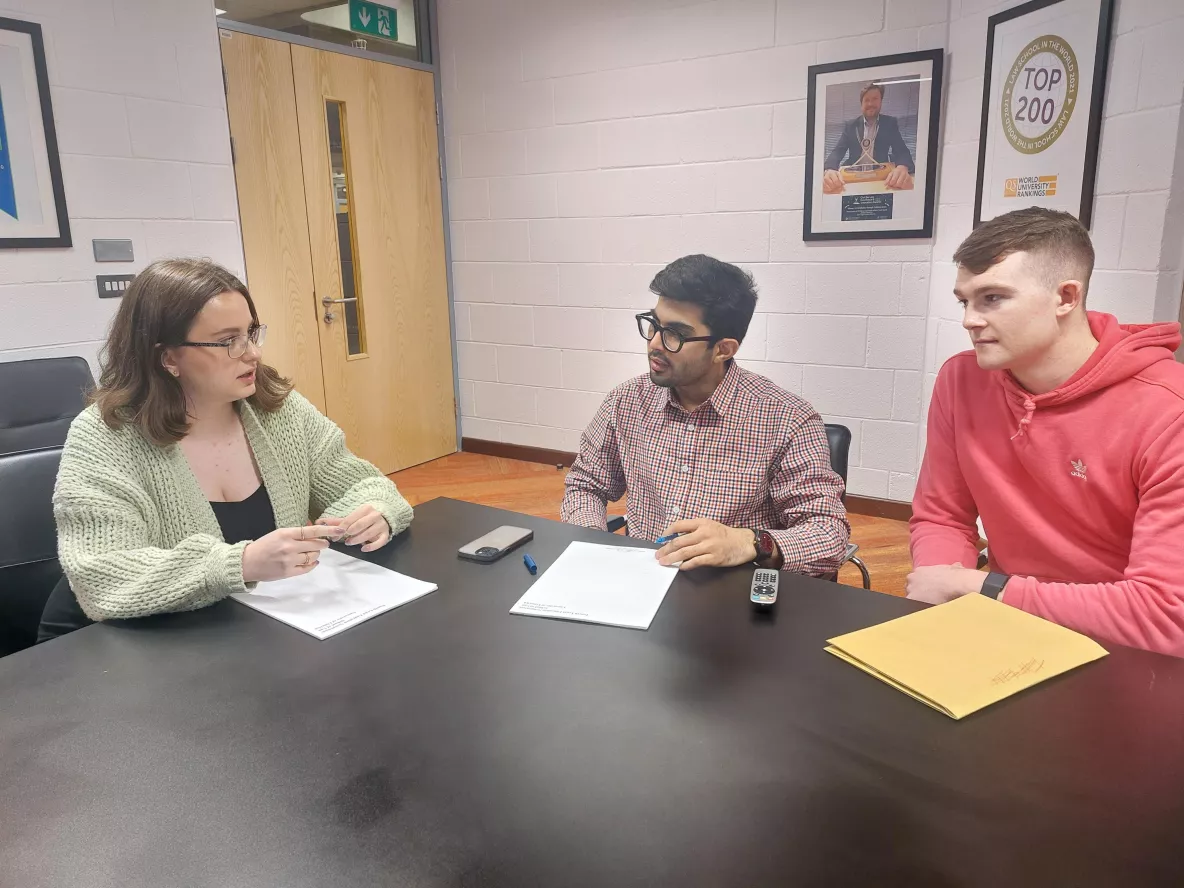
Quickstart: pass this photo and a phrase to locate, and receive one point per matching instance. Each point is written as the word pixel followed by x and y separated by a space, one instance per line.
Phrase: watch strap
pixel 994 584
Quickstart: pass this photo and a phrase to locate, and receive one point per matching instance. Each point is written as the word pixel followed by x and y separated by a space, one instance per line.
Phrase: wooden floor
pixel 536 489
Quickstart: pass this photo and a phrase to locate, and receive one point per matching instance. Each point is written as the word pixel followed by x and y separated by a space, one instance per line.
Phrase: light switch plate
pixel 112 285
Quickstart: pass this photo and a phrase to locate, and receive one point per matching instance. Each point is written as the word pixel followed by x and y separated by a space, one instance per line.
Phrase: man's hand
pixel 899 179
pixel 364 526
pixel 707 543
pixel 832 182
pixel 940 583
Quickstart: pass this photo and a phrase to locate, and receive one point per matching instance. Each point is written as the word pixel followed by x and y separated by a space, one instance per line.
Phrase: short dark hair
pixel 1055 236
pixel 879 87
pixel 726 294
pixel 156 312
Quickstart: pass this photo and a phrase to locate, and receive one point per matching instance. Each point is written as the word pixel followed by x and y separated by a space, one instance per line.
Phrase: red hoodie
pixel 1080 490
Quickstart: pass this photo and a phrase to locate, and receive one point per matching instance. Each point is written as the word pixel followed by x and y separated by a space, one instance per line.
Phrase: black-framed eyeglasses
pixel 672 340
pixel 236 346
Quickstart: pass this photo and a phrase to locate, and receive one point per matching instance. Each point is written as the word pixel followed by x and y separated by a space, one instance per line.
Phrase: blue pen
pixel 661 541
pixel 530 565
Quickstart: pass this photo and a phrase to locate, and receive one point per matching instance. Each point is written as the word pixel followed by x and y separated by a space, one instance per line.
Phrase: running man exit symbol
pixel 374 19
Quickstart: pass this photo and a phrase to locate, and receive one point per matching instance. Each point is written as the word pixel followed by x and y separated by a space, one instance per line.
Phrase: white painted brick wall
pixel 818 339
pixel 1136 230
pixel 503 324
pixel 145 147
pixel 512 403
pixel 560 148
pixel 528 366
pixel 673 126
pixel 601 144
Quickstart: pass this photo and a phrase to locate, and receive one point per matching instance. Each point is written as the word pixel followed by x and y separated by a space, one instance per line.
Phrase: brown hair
pixel 156 312
pixel 1058 238
pixel 867 89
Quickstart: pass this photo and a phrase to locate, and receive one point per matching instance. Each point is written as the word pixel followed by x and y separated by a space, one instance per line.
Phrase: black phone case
pixel 496 553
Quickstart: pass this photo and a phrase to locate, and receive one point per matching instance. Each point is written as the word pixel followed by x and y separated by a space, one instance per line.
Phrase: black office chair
pixel 29 566
pixel 838 438
pixel 39 399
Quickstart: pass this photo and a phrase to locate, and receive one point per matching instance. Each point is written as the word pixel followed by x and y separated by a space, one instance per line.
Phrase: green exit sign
pixel 373 19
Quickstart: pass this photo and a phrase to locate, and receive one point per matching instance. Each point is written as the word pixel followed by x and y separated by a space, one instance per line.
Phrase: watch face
pixel 764 543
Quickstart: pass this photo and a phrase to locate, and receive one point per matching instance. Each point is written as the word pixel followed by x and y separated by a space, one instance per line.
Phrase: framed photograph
pixel 871 147
pixel 32 201
pixel 1042 107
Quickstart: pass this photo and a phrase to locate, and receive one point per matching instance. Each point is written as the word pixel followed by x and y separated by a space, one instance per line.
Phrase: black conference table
pixel 448 743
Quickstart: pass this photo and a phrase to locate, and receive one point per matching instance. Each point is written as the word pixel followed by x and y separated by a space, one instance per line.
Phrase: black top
pixel 247 519
pixel 448 744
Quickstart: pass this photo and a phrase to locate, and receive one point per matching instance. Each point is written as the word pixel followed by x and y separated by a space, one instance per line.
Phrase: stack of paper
pixel 591 583
pixel 966 654
pixel 338 593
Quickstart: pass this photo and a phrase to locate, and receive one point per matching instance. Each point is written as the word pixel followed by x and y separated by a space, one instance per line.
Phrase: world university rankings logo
pixel 1039 97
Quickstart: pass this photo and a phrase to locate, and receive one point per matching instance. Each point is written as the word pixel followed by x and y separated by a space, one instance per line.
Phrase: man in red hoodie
pixel 1064 431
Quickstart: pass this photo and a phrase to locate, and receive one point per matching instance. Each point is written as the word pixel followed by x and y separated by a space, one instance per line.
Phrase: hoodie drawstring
pixel 1029 409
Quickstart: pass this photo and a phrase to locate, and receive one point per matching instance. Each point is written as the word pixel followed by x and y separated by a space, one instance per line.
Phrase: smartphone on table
pixel 489 548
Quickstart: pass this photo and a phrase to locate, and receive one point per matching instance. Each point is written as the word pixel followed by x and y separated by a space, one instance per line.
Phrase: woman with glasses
pixel 196 470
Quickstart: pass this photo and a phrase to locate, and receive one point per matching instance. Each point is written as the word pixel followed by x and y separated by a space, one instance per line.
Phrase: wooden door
pixel 261 103
pixel 372 191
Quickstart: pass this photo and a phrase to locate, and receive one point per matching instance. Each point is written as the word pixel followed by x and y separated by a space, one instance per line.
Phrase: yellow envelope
pixel 966 654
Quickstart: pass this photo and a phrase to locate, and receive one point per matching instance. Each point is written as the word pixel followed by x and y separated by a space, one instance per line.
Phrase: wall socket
pixel 112 250
pixel 111 285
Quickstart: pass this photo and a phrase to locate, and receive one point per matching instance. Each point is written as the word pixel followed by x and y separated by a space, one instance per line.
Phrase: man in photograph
pixel 870 138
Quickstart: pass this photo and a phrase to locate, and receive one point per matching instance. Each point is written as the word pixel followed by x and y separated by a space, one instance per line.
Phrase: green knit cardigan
pixel 136 535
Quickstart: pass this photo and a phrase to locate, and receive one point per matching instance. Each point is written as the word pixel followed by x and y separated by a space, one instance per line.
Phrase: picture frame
pixel 1037 145
pixel 32 198
pixel 871 160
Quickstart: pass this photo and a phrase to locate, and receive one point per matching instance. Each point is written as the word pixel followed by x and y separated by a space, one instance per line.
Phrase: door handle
pixel 330 316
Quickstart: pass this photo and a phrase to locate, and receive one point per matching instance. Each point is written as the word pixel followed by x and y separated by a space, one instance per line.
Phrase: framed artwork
pixel 1042 107
pixel 871 147
pixel 32 201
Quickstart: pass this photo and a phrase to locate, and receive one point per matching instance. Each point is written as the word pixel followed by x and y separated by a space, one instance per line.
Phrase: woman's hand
pixel 363 526
pixel 287 552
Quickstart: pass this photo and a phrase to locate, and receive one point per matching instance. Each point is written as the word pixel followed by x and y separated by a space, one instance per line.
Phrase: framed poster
pixel 32 201
pixel 1042 107
pixel 871 147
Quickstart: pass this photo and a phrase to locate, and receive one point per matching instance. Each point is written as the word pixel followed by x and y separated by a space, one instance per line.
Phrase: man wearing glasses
pixel 735 466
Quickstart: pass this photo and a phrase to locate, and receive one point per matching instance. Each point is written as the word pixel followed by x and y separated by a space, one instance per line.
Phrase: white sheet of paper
pixel 338 593
pixel 591 583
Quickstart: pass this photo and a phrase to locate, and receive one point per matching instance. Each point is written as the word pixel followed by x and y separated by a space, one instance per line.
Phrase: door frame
pixel 434 70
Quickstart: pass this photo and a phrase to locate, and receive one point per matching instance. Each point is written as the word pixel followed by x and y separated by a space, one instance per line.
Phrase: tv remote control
pixel 764 587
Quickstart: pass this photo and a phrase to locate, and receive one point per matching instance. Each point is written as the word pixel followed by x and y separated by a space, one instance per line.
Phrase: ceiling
pixel 245 10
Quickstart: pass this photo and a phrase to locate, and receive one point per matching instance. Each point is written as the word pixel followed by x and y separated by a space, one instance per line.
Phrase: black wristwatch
pixel 763 541
pixel 994 584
